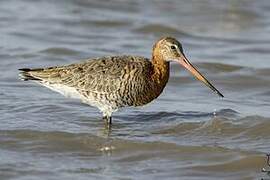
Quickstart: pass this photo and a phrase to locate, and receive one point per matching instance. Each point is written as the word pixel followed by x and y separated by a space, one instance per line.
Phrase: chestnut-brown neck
pixel 161 69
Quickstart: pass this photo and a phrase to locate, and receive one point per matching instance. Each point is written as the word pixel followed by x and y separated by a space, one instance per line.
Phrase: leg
pixel 107 117
pixel 108 121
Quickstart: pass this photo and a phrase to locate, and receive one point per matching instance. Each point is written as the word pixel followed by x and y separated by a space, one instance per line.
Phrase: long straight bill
pixel 184 62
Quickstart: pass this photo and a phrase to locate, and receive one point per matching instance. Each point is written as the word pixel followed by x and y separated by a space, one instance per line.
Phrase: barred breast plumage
pixel 113 82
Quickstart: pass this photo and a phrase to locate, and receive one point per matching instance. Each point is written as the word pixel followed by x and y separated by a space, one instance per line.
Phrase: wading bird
pixel 114 82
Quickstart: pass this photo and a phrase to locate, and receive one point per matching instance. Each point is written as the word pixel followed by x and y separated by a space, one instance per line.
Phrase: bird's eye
pixel 173 47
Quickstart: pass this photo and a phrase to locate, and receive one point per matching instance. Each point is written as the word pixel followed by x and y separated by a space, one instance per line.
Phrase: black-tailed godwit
pixel 113 82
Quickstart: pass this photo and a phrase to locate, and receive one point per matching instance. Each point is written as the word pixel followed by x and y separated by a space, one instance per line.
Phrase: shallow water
pixel 187 133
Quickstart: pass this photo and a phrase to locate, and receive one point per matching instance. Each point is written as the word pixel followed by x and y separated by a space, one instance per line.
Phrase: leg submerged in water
pixel 107 117
pixel 108 121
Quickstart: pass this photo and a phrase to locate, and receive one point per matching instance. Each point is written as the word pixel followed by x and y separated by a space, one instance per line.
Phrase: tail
pixel 25 74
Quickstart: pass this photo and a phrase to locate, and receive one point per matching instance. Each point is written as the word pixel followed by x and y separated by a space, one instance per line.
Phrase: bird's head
pixel 169 49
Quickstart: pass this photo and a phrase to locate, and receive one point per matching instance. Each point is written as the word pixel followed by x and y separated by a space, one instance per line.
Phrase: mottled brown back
pixel 121 80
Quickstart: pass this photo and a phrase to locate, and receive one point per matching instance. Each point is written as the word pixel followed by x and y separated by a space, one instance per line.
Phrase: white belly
pixel 67 91
pixel 72 92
